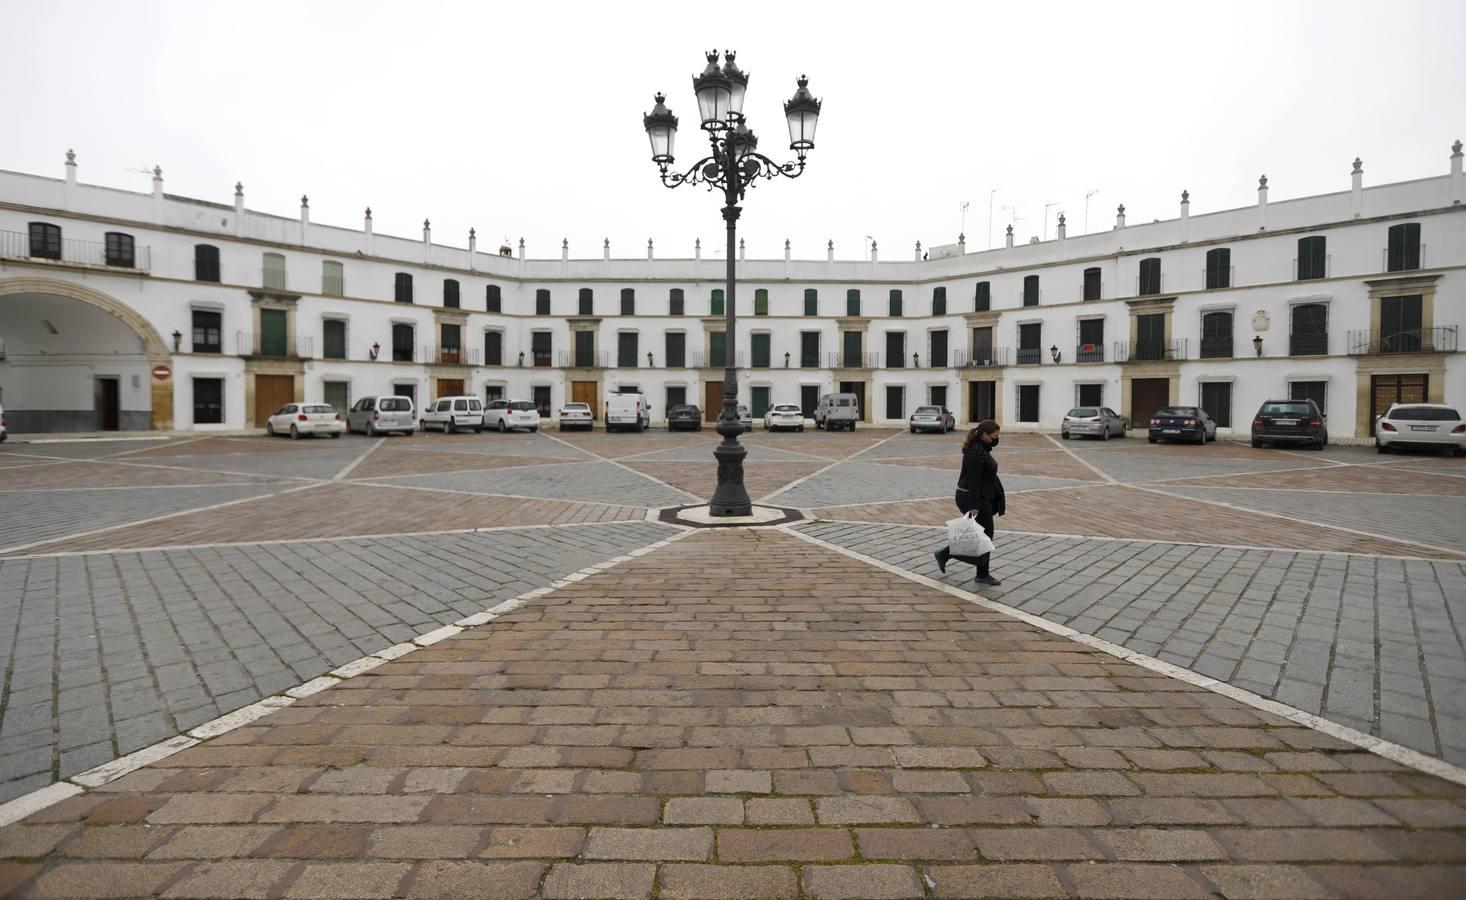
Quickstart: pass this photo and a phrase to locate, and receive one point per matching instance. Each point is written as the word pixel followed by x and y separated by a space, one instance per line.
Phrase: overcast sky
pixel 524 119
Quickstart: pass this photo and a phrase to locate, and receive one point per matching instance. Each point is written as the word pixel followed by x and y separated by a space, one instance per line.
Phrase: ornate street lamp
pixel 733 165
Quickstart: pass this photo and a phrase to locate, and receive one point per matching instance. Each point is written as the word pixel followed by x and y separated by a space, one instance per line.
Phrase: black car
pixel 1290 422
pixel 684 416
pixel 1182 423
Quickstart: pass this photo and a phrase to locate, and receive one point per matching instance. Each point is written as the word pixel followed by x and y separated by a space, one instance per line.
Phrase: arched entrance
pixel 52 347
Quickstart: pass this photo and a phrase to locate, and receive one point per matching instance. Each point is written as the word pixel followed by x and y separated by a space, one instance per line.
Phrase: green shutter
pixel 272 332
pixel 761 302
pixel 759 345
pixel 717 304
pixel 334 339
pixel 759 401
pixel 338 394
pixel 852 302
pixel 895 304
pixel 811 302
pixel 717 349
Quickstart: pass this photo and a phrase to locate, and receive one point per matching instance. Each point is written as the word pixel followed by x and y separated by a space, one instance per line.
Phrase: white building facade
pixel 129 311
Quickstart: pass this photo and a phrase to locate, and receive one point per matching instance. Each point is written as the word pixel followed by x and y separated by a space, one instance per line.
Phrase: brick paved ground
pixel 823 729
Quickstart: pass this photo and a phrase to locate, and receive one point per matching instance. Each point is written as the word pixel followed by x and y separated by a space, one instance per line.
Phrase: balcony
pixel 569 359
pixel 1090 353
pixel 273 346
pixel 272 279
pixel 333 285
pixel 706 360
pixel 982 357
pixel 1150 351
pixel 1420 340
pixel 1216 347
pixel 17 245
pixel 1308 344
pixel 1311 269
pixel 862 360
pixel 449 356
pixel 1030 356
pixel 540 359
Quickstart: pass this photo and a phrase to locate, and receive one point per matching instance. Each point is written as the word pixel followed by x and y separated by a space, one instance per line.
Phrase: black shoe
pixel 942 556
pixel 988 580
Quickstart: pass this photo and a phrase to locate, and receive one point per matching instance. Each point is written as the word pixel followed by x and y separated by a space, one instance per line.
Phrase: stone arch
pixel 153 344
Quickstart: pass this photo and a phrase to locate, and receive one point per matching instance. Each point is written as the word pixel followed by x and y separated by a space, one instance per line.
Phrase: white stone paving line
pixel 621 465
pixel 1108 478
pixel 197 471
pixel 766 498
pixel 146 449
pixel 361 458
pixel 1378 746
pixel 367 482
pixel 37 800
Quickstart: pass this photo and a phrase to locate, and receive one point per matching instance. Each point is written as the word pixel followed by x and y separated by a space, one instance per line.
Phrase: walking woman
pixel 980 492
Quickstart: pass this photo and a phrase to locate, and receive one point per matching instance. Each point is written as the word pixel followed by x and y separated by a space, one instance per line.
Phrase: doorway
pixel 541 397
pixel 450 387
pixel 712 398
pixel 1146 396
pixel 107 395
pixel 809 398
pixel 586 392
pixel 858 389
pixel 1387 389
pixel 271 393
pixel 982 400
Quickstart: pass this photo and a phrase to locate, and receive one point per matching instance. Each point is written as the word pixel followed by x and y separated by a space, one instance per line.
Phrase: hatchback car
pixel 509 414
pixel 684 416
pixel 932 418
pixel 304 419
pixel 745 418
pixel 1182 423
pixel 1290 422
pixel 783 415
pixel 1095 421
pixel 576 415
pixel 382 415
pixel 449 414
pixel 1426 426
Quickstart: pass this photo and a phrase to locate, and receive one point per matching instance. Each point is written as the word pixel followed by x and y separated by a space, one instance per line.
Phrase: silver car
pixel 1095 421
pixel 382 415
pixel 1424 426
pixel 932 418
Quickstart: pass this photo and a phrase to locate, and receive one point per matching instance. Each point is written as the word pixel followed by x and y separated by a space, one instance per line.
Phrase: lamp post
pixel 733 165
pixel 1257 344
pixel 1054 352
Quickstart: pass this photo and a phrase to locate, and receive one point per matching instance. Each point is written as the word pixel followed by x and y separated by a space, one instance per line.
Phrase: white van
pixel 453 413
pixel 628 411
pixel 837 411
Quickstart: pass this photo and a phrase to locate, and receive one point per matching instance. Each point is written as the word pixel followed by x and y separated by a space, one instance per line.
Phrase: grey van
pixel 837 411
pixel 382 415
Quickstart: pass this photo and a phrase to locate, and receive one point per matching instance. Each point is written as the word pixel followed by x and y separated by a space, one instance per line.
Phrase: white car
pixel 4 425
pixel 783 415
pixel 301 419
pixel 1426 426
pixel 576 415
pixel 510 414
pixel 452 413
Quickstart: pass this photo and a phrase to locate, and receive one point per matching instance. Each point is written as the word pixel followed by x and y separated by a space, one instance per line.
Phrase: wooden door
pixel 982 400
pixel 1387 389
pixel 108 404
pixel 712 398
pixel 587 392
pixel 1146 396
pixel 450 387
pixel 858 389
pixel 271 393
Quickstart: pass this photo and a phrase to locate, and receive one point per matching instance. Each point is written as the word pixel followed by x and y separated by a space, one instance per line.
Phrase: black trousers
pixel 968 502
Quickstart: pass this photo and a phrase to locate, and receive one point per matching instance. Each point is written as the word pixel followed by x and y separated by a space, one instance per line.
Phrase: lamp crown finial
pixel 1262 181
pixel 1185 196
pixel 157 171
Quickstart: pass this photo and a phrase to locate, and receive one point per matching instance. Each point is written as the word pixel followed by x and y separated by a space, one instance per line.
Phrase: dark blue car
pixel 1182 423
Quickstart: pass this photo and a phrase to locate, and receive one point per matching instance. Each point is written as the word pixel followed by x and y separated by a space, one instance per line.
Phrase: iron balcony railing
pixel 570 359
pixel 862 360
pixel 1441 339
pixel 706 360
pixel 332 285
pixel 1308 344
pixel 1216 348
pixel 272 279
pixel 1150 351
pixel 1089 353
pixel 1030 356
pixel 1218 278
pixel 1419 260
pixel 1311 271
pixel 809 360
pixel 539 359
pixel 18 245
pixel 449 356
pixel 981 357
pixel 273 347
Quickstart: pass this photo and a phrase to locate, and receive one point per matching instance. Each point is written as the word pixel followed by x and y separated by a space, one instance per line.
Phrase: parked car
pixel 506 415
pixel 452 413
pixel 1096 421
pixel 576 415
pixel 684 415
pixel 1290 422
pixel 745 418
pixel 382 415
pixel 4 425
pixel 783 415
pixel 628 411
pixel 1433 426
pixel 837 411
pixel 1182 423
pixel 932 418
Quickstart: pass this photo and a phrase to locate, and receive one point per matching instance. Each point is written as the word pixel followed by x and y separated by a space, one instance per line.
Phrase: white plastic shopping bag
pixel 966 538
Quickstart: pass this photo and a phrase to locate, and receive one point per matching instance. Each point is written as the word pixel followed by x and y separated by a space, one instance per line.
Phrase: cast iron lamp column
pixel 734 165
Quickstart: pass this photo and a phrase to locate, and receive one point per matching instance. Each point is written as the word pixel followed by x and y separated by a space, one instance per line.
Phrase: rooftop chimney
pixel 1008 238
pixel 1120 217
pixel 1457 189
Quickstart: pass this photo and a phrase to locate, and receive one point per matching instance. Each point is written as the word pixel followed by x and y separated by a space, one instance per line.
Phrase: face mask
pixel 995 441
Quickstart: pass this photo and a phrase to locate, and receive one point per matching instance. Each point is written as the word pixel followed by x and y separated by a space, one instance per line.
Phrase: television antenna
pixel 1047 207
pixel 1086 208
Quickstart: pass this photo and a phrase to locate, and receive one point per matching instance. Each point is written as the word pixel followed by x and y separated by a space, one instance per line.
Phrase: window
pixel 1028 402
pixel 761 301
pixel 1216 335
pixel 715 304
pixel 208 327
pixel 586 304
pixel 205 262
pixel 758 345
pixel 450 340
pixel 333 339
pixel 274 271
pixel 493 299
pixel 628 301
pixel 809 349
pixel 675 302
pixel 450 293
pixel 1216 399
pixel 982 297
pixel 1401 328
pixel 1091 342
pixel 937 395
pixel 493 348
pixel 402 340
pixel 937 357
pixel 853 357
pixel 1150 336
pixel 540 348
pixel 1218 269
pixel 208 401
pixel 338 394
pixel 676 396
pixel 402 287
pixel 1092 284
pixel 895 401
pixel 45 240
pixel 626 347
pixel 1030 290
pixel 717 349
pixel 811 302
pixel 675 355
pixel 1317 391
pixel 585 349
pixel 333 278
pixel 1150 276
pixel 1312 259
pixel 939 301
pixel 542 302
pixel 1030 343
pixel 1309 335
pixel 120 250
pixel 1089 395
pixel 274 332
pixel 1404 250
pixel 852 302
pixel 895 309
pixel 896 349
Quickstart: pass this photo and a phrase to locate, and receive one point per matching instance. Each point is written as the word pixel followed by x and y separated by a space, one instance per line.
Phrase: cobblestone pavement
pixel 816 728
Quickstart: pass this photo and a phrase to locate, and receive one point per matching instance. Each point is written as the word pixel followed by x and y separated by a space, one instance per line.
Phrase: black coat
pixel 979 476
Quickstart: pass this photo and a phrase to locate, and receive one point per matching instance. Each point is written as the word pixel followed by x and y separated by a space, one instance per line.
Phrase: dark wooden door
pixel 1028 402
pixel 108 402
pixel 982 400
pixel 809 398
pixel 271 393
pixel 586 392
pixel 1146 396
pixel 858 389
pixel 1387 389
pixel 712 400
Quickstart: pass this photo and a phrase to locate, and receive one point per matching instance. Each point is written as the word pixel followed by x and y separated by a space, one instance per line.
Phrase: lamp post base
pixel 731 497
